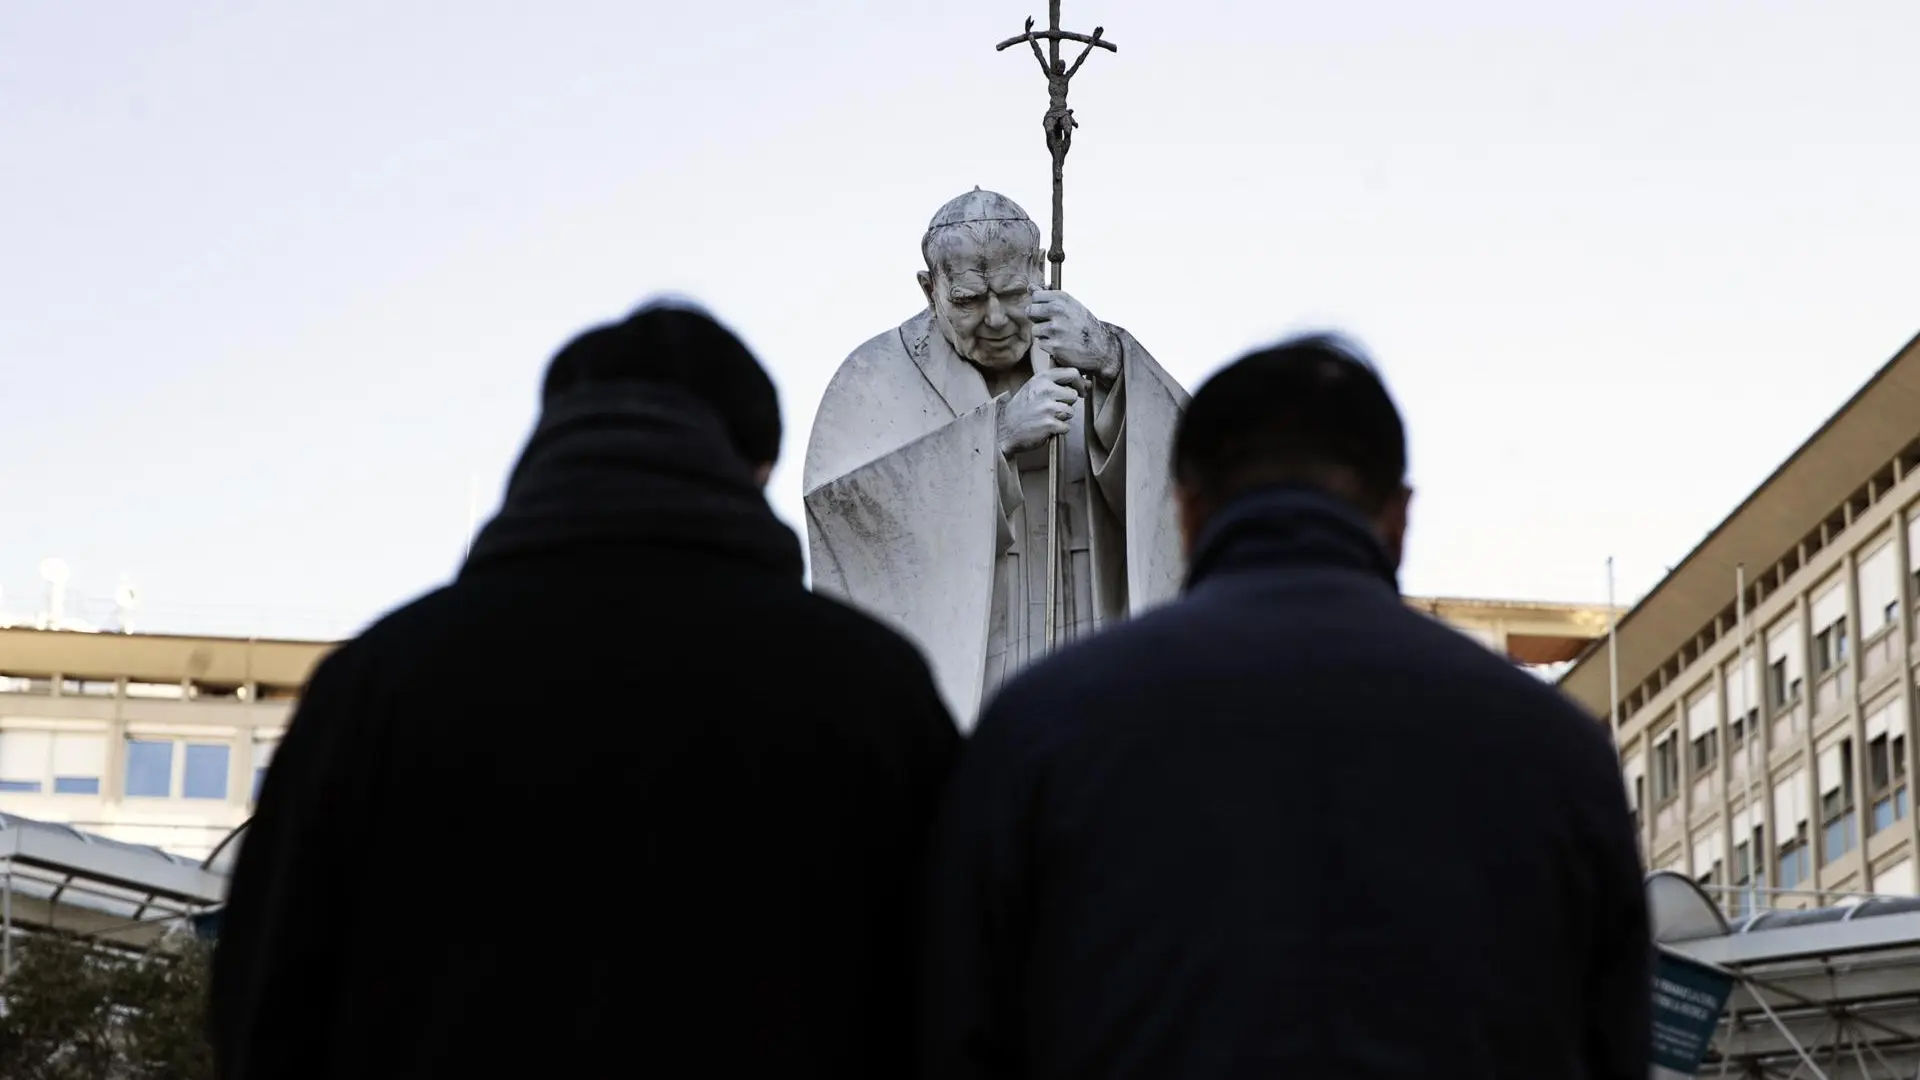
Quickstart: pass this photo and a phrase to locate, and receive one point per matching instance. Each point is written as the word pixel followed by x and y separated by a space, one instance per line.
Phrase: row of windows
pixel 1886 752
pixel 74 763
pixel 1795 858
pixel 1889 797
pixel 1700 721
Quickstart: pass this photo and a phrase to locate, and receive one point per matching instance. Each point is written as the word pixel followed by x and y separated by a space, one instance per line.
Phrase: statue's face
pixel 979 294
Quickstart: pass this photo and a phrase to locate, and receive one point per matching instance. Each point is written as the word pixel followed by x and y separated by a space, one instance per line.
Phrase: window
pixel 263 756
pixel 1704 858
pixel 1785 660
pixel 149 768
pixel 1779 690
pixel 1795 855
pixel 1706 753
pixel 1879 591
pixel 1633 769
pixel 1743 705
pixel 1796 860
pixel 1895 880
pixel 1737 730
pixel 1666 769
pixel 79 761
pixel 57 762
pixel 1830 647
pixel 1913 553
pixel 23 761
pixel 205 775
pixel 1889 809
pixel 1829 610
pixel 1703 733
pixel 1887 764
pixel 1743 866
pixel 165 767
pixel 1836 800
pixel 1881 761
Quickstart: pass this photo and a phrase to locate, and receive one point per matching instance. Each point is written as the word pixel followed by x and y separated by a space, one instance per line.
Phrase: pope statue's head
pixel 983 261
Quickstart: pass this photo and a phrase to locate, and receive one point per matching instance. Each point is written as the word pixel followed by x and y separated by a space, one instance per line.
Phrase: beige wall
pixel 1536 633
pixel 1815 755
pixel 70 703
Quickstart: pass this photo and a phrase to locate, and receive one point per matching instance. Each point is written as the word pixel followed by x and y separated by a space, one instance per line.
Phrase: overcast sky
pixel 277 280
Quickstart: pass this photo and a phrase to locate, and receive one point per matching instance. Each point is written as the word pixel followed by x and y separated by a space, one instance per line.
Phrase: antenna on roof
pixel 1613 655
pixel 55 573
pixel 126 601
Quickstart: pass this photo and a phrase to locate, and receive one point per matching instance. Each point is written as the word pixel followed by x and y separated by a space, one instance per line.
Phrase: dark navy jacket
pixel 605 800
pixel 1286 827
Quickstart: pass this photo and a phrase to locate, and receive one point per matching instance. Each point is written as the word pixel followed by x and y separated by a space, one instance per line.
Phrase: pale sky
pixel 277 279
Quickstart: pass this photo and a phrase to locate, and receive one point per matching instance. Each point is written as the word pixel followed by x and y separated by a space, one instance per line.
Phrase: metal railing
pixel 1740 901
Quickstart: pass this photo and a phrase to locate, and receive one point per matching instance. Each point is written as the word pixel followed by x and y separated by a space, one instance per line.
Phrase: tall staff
pixel 1059 124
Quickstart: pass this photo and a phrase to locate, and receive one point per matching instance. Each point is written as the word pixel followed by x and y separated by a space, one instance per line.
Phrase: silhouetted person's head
pixel 1309 412
pixel 674 344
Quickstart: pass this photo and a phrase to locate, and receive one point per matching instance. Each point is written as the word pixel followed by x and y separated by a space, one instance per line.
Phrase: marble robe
pixel 915 517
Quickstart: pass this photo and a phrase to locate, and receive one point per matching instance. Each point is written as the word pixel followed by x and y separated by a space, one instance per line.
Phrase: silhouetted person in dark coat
pixel 1286 826
pixel 623 798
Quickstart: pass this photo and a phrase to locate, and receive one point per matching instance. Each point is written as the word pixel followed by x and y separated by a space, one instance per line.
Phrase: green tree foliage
pixel 74 1011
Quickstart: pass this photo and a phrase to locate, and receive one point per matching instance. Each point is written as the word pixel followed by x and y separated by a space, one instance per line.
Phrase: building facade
pixel 145 738
pixel 1767 685
pixel 162 740
pixel 1541 636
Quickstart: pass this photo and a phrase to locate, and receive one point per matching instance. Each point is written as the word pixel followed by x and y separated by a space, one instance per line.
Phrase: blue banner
pixel 1687 1001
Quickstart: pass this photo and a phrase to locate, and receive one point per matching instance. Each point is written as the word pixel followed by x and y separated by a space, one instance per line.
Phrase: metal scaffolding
pixel 1830 993
pixel 56 878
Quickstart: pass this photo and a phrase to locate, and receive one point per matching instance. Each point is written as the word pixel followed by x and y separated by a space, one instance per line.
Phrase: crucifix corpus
pixel 1059 124
pixel 989 477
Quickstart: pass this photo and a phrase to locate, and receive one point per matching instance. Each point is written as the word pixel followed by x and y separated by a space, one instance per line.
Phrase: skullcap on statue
pixel 979 217
pixel 977 205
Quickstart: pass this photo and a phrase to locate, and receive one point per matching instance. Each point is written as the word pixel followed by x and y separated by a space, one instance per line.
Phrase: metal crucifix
pixel 1059 124
pixel 1059 121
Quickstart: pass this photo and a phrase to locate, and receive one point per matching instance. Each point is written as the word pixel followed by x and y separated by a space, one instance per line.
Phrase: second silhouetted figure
pixel 1286 826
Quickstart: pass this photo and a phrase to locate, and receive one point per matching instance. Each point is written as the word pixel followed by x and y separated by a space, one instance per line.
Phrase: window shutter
pixel 1879 589
pixel 23 756
pixel 1830 778
pixel 1830 606
pixel 1789 803
pixel 79 755
pixel 1703 715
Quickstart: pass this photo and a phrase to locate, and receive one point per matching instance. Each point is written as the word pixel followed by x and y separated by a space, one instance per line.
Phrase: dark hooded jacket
pixel 1286 827
pixel 622 793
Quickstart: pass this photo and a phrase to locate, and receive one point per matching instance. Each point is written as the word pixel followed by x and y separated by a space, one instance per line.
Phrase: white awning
pixel 1830 773
pixel 1879 588
pixel 1783 643
pixel 1830 606
pixel 1790 802
pixel 1703 715
pixel 1706 851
